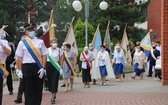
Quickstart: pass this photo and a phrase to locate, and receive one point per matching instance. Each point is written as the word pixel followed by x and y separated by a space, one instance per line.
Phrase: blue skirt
pixel 118 69
pixel 138 70
pixel 103 71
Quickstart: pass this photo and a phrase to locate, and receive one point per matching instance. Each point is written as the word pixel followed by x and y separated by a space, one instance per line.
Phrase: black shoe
pixel 10 93
pixel 63 85
pixel 18 101
pixel 149 76
pixel 123 75
pixel 94 82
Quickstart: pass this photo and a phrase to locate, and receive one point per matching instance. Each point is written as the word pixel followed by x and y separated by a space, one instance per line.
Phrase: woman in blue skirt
pixel 119 61
pixel 139 62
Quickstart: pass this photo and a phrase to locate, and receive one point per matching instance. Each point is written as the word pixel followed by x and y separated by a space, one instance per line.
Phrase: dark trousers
pixel 33 85
pixel 9 81
pixel 20 90
pixel 86 75
pixel 1 89
pixel 150 69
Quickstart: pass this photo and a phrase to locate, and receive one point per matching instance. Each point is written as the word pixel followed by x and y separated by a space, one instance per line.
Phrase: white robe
pixel 95 69
pixel 110 71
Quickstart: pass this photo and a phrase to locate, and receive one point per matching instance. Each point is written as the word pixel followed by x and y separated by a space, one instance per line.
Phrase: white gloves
pixel 41 73
pixel 61 72
pixel 19 73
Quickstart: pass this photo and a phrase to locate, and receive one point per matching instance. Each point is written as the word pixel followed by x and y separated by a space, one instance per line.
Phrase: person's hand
pixel 41 73
pixel 19 73
pixel 61 72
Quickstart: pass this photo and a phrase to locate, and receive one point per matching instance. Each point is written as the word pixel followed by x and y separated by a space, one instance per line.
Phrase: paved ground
pixel 148 91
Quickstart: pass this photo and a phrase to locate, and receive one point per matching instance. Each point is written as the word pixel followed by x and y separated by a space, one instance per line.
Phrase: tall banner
pixel 97 41
pixel 107 38
pixel 70 38
pixel 146 44
pixel 125 46
pixel 50 33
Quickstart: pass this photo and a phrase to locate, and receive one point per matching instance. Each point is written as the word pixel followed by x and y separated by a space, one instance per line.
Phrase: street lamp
pixel 78 7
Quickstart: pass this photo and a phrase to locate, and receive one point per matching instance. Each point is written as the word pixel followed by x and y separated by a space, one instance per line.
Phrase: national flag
pixel 107 38
pixel 125 47
pixel 146 44
pixel 70 38
pixel 97 41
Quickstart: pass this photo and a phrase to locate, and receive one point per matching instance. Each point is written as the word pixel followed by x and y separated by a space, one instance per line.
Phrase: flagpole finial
pixel 150 30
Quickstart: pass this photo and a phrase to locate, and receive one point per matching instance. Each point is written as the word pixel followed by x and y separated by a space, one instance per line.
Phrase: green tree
pixel 15 12
pixel 79 30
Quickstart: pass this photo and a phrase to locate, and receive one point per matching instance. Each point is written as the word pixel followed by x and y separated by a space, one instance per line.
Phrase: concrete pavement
pixel 148 91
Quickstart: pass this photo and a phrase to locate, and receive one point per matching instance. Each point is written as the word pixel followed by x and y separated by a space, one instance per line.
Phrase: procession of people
pixel 34 63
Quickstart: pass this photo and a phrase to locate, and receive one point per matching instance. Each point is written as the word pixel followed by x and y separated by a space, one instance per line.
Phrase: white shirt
pixel 89 56
pixel 118 56
pixel 3 56
pixel 22 51
pixel 56 54
pixel 101 59
pixel 158 48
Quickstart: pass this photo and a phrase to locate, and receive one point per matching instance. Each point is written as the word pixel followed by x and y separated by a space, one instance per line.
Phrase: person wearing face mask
pixel 86 57
pixel 53 68
pixel 105 66
pixel 31 55
pixel 139 62
pixel 95 69
pixel 154 54
pixel 119 60
pixel 68 65
pixel 158 46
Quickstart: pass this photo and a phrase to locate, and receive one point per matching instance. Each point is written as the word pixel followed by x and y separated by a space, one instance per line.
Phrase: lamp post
pixel 78 7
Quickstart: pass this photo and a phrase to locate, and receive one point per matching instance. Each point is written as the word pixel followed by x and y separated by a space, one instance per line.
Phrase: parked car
pixel 158 68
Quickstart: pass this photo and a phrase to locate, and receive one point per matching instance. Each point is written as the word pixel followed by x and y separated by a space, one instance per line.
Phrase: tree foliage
pixel 79 30
pixel 14 13
pixel 119 12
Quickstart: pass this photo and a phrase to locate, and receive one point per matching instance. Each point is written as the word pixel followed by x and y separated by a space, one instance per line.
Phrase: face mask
pixel 64 49
pixel 32 34
pixel 91 48
pixel 101 50
pixel 54 45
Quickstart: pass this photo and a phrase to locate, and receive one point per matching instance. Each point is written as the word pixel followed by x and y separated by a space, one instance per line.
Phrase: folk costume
pixel 86 57
pixel 105 65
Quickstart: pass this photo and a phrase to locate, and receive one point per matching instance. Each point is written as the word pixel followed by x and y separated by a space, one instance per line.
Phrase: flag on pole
pixel 107 38
pixel 97 41
pixel 70 38
pixel 28 20
pixel 146 44
pixel 50 33
pixel 52 30
pixel 125 46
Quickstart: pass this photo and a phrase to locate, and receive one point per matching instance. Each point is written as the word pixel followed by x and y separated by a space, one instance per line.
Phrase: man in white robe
pixel 95 69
